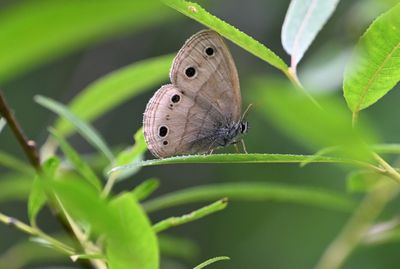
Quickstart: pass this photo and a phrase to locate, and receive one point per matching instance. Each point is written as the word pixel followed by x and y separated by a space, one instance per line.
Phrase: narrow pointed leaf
pixel 96 99
pixel 56 28
pixel 14 187
pixel 11 162
pixel 303 20
pixel 192 216
pixel 80 165
pixel 87 131
pixel 375 66
pixel 210 261
pixel 145 189
pixel 235 158
pixel 196 12
pixel 257 192
pixel 37 197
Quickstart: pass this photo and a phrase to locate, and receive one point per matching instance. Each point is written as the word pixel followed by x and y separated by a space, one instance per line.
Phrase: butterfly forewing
pixel 184 117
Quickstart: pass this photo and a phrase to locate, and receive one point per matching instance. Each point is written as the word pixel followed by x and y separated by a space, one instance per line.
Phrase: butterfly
pixel 201 109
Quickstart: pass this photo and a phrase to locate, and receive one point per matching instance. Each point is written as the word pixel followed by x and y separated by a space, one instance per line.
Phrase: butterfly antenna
pixel 246 111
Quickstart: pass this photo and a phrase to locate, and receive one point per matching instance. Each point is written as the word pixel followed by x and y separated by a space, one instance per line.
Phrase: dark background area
pixel 254 235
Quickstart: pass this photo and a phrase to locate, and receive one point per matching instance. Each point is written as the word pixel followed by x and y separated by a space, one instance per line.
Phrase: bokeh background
pixel 254 235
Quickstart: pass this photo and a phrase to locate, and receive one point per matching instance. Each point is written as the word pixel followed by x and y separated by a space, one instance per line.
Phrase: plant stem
pixel 29 146
pixel 389 170
pixel 357 226
pixel 36 232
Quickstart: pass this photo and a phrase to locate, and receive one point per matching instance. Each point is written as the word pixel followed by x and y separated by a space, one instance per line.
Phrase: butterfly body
pixel 201 109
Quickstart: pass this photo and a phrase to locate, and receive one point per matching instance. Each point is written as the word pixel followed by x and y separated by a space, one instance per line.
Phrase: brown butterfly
pixel 201 109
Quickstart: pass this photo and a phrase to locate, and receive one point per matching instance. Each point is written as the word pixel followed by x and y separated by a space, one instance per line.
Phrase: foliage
pixel 109 230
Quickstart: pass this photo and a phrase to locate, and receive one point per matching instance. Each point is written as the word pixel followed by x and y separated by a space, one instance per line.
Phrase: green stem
pixel 36 232
pixel 353 232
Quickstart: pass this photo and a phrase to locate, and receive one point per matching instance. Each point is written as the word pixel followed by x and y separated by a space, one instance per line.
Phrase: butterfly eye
pixel 190 72
pixel 209 51
pixel 175 98
pixel 162 131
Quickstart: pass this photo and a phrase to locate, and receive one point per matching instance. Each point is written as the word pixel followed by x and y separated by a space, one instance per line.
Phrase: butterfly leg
pixel 236 147
pixel 244 146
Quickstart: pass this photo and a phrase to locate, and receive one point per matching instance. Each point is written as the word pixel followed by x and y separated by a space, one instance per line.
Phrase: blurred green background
pixel 254 235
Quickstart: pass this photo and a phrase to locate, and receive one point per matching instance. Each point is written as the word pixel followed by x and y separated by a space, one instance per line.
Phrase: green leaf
pixel 15 164
pixel 87 131
pixel 14 187
pixel 195 215
pixel 131 155
pixel 146 188
pixel 374 68
pixel 210 261
pixel 176 247
pixel 303 20
pixel 57 28
pixel 129 239
pixel 326 125
pixel 37 197
pixel 95 100
pixel 80 165
pixel 132 243
pixel 234 158
pixel 196 12
pixel 257 192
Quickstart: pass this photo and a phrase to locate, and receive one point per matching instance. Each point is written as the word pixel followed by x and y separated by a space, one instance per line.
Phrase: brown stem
pixel 29 146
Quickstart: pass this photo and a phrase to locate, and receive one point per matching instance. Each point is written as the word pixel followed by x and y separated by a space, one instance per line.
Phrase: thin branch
pixel 29 146
pixel 36 232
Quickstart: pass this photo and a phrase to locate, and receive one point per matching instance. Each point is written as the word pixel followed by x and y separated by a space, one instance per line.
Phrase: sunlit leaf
pixel 303 20
pixel 87 131
pixel 80 165
pixel 95 100
pixel 129 239
pixel 37 197
pixel 374 68
pixel 132 243
pixel 257 192
pixel 196 12
pixel 35 32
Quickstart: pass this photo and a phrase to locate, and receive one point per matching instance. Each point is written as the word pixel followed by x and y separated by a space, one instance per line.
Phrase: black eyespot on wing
pixel 165 142
pixel 209 51
pixel 163 131
pixel 190 72
pixel 175 98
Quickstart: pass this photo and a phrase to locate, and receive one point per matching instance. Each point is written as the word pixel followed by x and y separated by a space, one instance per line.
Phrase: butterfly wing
pixel 204 68
pixel 184 117
pixel 169 131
